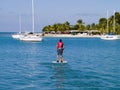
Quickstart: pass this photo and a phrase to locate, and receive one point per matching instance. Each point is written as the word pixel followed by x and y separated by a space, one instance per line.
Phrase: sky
pixel 49 12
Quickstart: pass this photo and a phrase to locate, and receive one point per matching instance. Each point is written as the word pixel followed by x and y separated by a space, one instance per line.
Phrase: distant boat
pixel 18 35
pixel 110 36
pixel 33 36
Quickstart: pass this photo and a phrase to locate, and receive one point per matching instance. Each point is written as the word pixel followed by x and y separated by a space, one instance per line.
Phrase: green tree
pixel 67 23
pixel 110 24
pixel 93 26
pixel 117 18
pixel 103 25
pixel 79 21
pixel 80 24
pixel 88 27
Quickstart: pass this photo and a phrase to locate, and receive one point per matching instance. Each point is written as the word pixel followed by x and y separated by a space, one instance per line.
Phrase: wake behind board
pixel 59 61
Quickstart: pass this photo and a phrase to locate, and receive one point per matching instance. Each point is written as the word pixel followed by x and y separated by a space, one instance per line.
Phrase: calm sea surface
pixel 93 64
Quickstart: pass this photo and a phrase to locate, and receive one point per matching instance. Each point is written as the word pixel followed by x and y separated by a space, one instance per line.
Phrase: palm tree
pixel 79 21
pixel 103 24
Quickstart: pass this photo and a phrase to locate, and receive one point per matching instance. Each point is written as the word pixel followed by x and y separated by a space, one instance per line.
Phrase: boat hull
pixel 31 38
pixel 109 37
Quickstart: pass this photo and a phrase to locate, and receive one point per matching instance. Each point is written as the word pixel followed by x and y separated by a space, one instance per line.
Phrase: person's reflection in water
pixel 59 75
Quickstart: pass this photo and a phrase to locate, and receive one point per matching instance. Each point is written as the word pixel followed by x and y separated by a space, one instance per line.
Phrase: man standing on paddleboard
pixel 60 48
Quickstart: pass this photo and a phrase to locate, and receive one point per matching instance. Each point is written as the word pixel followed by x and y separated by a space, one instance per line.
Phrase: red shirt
pixel 60 45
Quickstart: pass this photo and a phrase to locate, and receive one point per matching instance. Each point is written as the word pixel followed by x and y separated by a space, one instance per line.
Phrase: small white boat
pixel 31 38
pixel 109 37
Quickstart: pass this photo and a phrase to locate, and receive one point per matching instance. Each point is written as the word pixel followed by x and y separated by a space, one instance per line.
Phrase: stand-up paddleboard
pixel 59 61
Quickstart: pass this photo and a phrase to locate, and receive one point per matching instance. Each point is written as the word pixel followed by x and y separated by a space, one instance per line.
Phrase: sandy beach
pixel 70 35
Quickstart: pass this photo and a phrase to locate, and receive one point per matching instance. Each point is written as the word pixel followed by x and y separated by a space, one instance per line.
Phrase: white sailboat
pixel 33 36
pixel 18 35
pixel 110 36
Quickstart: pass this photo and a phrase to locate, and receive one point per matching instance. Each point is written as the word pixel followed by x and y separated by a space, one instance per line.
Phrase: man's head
pixel 60 40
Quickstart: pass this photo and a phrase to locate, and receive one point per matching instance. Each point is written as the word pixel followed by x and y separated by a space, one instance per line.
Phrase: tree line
pixel 105 25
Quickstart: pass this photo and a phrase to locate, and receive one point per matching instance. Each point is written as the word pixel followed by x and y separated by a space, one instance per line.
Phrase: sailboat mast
pixel 114 22
pixel 20 23
pixel 33 22
pixel 107 21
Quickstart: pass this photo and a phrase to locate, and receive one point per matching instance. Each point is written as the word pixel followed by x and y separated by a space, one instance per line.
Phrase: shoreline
pixel 70 35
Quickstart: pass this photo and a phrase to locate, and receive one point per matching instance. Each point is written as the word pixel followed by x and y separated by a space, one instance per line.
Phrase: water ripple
pixel 28 66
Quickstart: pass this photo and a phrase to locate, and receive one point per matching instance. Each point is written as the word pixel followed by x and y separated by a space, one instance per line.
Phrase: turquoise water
pixel 93 64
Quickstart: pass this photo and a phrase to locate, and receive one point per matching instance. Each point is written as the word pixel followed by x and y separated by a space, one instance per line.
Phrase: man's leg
pixel 57 58
pixel 61 55
pixel 61 58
